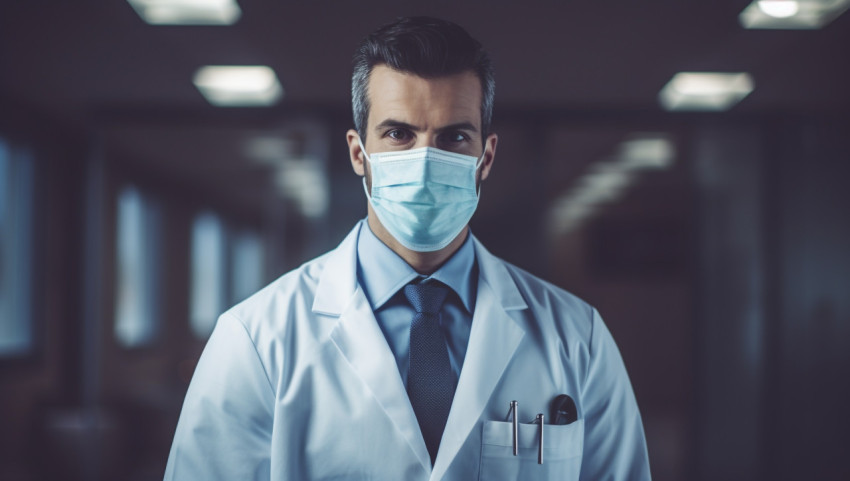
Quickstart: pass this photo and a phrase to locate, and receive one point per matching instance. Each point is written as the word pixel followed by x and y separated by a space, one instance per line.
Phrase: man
pixel 397 355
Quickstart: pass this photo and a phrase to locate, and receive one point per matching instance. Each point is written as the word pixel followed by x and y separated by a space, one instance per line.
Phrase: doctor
pixel 396 356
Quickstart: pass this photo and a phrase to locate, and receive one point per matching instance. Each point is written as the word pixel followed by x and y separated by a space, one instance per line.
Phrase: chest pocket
pixel 562 449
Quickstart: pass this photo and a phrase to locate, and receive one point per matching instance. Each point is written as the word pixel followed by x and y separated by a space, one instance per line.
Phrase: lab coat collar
pixel 338 280
pixel 494 272
pixel 457 273
pixel 339 277
pixel 382 272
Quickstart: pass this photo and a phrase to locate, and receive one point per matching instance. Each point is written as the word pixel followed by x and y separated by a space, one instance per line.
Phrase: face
pixel 409 112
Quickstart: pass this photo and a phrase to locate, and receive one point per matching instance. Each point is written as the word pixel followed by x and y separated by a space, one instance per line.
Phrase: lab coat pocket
pixel 562 449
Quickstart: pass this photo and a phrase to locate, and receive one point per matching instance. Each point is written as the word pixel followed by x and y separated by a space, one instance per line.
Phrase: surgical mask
pixel 423 197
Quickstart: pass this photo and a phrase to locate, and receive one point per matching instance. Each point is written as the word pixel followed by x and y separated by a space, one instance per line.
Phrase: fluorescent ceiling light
pixel 705 90
pixel 608 180
pixel 187 12
pixel 779 8
pixel 270 150
pixel 791 14
pixel 306 183
pixel 232 86
pixel 605 182
pixel 567 215
pixel 647 152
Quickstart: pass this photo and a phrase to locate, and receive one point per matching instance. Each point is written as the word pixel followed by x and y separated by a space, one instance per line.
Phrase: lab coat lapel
pixel 493 341
pixel 359 339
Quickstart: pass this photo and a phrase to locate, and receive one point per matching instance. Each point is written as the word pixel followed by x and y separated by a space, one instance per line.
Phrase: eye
pixel 398 135
pixel 455 137
pixel 454 140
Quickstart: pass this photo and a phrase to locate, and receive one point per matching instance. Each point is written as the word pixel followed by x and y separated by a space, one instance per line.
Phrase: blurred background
pixel 680 165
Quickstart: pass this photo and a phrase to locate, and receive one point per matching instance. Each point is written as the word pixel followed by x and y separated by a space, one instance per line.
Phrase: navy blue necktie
pixel 430 380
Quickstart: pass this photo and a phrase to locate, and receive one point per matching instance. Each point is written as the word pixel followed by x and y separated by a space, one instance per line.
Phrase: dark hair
pixel 427 47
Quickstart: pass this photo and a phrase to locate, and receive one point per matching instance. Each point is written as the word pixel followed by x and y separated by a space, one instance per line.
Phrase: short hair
pixel 427 47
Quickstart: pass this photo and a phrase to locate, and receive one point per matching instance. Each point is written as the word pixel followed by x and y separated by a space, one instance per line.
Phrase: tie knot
pixel 426 298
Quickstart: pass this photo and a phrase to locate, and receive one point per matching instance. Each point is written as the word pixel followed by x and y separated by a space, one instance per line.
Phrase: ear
pixel 355 152
pixel 489 155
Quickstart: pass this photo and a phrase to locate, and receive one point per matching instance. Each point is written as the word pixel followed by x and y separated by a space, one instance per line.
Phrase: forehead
pixel 424 102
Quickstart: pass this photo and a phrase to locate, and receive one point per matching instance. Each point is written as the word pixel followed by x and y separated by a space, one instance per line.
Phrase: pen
pixel 540 443
pixel 516 427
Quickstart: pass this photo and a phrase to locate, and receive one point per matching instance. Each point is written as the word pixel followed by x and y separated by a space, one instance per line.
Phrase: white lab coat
pixel 298 383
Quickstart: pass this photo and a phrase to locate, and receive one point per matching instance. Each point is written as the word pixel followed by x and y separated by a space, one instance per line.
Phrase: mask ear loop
pixel 363 149
pixel 475 172
pixel 480 160
pixel 365 187
pixel 366 155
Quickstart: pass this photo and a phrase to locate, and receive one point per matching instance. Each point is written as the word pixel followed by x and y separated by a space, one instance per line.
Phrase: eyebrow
pixel 392 123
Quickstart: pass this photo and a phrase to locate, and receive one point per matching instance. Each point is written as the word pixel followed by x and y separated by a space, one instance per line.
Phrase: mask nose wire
pixel 475 172
pixel 366 154
pixel 478 165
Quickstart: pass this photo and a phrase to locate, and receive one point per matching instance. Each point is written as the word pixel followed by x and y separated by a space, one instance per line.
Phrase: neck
pixel 425 263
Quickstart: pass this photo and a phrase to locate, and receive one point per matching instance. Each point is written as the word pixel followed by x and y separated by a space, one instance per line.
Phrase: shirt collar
pixel 382 272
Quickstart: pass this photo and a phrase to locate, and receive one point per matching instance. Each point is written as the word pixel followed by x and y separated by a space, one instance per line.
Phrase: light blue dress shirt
pixel 382 273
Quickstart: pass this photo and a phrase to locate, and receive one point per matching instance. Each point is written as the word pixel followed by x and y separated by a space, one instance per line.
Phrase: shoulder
pixel 542 292
pixel 293 316
pixel 288 297
pixel 279 322
pixel 552 307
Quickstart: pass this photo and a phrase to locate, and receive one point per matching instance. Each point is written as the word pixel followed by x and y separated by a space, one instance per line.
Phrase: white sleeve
pixel 224 431
pixel 614 443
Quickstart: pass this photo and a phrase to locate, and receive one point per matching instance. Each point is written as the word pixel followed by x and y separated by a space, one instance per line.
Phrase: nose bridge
pixel 426 138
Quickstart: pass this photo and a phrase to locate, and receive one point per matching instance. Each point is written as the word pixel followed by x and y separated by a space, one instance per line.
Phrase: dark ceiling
pixel 96 66
pixel 69 59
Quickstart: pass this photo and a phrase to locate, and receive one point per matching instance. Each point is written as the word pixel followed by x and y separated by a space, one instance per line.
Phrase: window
pixel 208 274
pixel 137 302
pixel 246 257
pixel 16 198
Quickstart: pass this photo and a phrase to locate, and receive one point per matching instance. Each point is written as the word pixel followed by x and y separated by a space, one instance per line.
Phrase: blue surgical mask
pixel 423 197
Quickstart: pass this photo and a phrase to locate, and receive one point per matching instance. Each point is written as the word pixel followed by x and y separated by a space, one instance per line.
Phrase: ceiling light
pixel 788 14
pixel 652 151
pixel 270 150
pixel 232 86
pixel 779 8
pixel 705 90
pixel 567 215
pixel 605 183
pixel 608 180
pixel 187 12
pixel 305 182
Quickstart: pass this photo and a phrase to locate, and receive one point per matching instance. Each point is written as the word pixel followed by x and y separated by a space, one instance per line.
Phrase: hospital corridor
pixel 681 167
